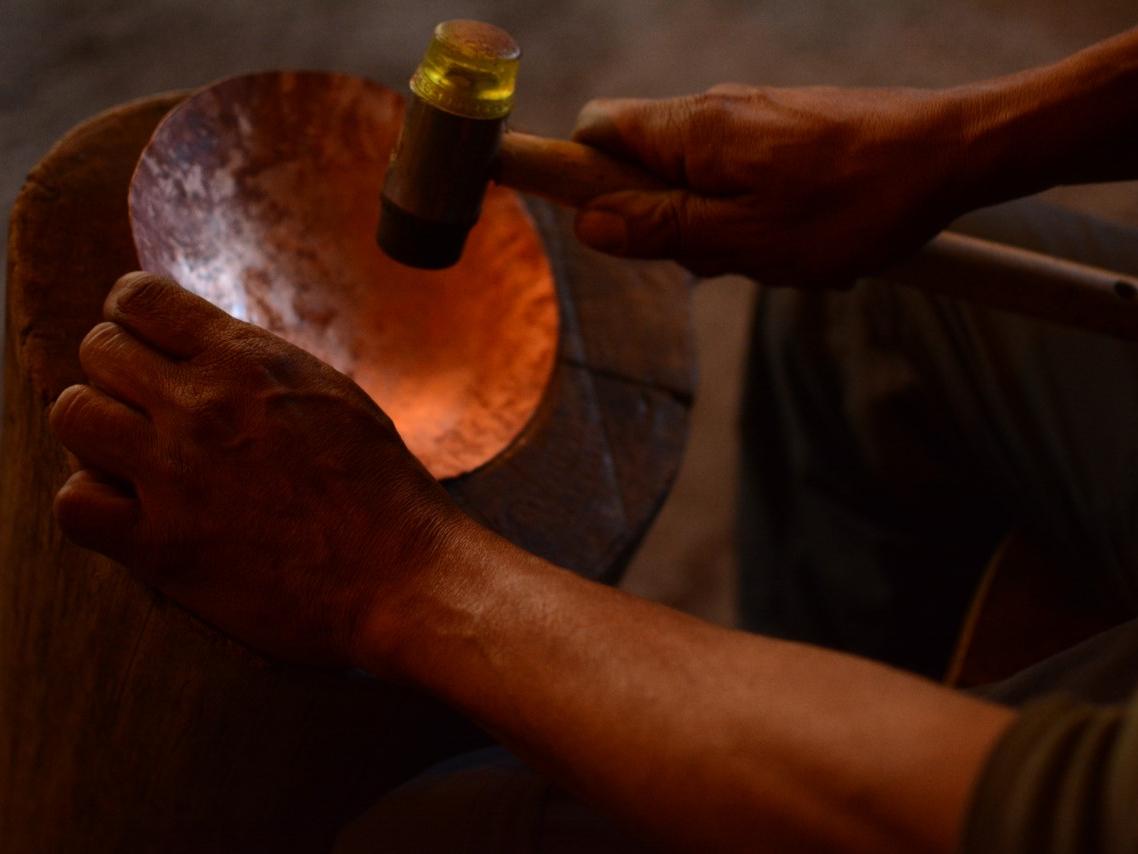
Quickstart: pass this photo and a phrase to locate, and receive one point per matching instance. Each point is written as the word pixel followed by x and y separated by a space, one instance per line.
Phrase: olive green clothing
pixel 1062 780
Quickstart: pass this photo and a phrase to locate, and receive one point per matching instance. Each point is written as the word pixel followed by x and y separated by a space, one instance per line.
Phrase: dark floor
pixel 62 60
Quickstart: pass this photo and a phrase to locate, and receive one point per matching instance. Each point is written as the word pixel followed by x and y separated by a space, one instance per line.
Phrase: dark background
pixel 61 61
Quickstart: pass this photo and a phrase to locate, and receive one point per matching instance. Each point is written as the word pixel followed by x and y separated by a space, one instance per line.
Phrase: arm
pixel 814 186
pixel 1069 123
pixel 705 738
pixel 268 494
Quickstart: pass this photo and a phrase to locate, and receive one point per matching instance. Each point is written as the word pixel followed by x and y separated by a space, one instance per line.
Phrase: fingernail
pixel 603 230
pixel 592 115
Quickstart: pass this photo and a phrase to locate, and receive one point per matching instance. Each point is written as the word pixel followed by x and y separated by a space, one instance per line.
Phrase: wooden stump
pixel 126 724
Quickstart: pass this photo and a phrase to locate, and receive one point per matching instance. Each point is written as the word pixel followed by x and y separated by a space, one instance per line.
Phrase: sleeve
pixel 1062 780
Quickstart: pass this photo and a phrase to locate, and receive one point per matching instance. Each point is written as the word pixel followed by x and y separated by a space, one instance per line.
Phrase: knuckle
pixel 231 341
pixel 713 113
pixel 238 357
pixel 259 355
pixel 67 508
pixel 206 404
pixel 68 408
pixel 214 413
pixel 225 351
pixel 249 339
pixel 140 293
pixel 705 105
pixel 677 116
pixel 281 366
pixel 102 337
pixel 703 125
pixel 64 507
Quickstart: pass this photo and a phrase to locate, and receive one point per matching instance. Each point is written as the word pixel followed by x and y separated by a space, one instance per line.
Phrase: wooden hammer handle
pixel 566 172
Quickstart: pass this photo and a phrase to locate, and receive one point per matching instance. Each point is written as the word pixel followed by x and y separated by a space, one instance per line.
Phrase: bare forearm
pixel 1072 122
pixel 706 738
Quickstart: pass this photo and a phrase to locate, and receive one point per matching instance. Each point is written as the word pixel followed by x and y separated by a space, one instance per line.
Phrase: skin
pixel 268 494
pixel 815 186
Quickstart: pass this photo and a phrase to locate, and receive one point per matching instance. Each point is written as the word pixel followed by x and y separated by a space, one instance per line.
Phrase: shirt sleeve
pixel 1063 779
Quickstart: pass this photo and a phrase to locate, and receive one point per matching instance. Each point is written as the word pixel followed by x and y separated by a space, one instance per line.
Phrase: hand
pixel 790 186
pixel 242 476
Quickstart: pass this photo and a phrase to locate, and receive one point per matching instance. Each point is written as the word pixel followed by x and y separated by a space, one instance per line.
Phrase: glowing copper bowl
pixel 261 193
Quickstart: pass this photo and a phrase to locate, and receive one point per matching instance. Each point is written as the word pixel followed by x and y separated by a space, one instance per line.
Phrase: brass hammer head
pixel 461 93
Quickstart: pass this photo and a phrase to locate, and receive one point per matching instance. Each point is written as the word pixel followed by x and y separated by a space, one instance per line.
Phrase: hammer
pixel 454 141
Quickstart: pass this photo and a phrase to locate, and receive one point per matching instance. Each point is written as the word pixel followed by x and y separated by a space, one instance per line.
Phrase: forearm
pixel 706 738
pixel 1072 122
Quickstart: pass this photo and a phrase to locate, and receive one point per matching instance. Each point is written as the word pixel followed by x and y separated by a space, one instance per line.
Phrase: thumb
pixel 636 224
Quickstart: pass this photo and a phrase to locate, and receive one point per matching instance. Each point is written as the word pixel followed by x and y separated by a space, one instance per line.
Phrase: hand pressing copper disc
pixel 261 194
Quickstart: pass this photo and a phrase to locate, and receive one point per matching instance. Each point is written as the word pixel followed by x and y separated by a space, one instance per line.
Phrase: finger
pixel 702 233
pixel 119 364
pixel 101 431
pixel 648 132
pixel 73 462
pixel 165 315
pixel 599 123
pixel 97 513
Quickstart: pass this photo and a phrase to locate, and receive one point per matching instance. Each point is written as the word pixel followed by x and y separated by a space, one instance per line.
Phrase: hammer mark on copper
pixel 261 193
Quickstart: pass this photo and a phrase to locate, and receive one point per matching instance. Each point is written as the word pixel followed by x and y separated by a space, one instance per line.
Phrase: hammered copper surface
pixel 261 193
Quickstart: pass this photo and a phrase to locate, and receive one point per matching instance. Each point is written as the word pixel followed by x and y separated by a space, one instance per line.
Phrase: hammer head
pixel 461 94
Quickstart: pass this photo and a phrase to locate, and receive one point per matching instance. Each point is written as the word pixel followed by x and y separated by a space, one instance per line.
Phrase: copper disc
pixel 261 194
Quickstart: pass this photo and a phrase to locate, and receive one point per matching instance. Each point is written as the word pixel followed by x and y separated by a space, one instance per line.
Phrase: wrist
pixel 399 570
pixel 441 586
pixel 1001 135
pixel 938 144
pixel 1053 125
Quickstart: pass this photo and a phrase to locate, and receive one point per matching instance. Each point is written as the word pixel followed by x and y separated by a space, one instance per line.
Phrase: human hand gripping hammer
pixel 454 141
